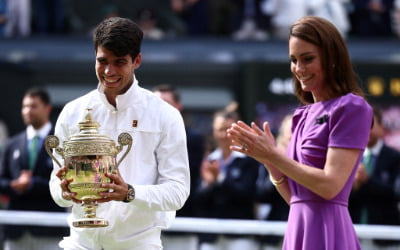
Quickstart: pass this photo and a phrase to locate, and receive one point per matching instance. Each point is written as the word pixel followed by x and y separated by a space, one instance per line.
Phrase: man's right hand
pixel 66 193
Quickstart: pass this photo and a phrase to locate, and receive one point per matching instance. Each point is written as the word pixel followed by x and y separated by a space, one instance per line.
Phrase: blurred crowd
pixel 236 19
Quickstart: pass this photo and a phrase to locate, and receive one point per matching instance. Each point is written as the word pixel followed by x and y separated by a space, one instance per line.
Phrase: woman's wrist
pixel 279 181
pixel 275 175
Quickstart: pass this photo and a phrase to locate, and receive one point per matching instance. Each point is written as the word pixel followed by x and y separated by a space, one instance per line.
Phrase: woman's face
pixel 306 65
pixel 220 125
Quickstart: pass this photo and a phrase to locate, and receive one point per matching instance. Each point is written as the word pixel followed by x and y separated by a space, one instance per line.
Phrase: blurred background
pixel 213 51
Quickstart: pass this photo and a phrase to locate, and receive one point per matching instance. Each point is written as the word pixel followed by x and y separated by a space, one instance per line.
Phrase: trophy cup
pixel 88 155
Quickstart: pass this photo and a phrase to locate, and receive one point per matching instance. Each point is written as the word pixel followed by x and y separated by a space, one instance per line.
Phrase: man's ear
pixel 137 61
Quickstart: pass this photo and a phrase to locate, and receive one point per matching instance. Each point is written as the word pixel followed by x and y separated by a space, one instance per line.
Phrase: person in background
pixel 49 16
pixel 396 18
pixel 329 134
pixel 228 187
pixel 267 196
pixel 147 20
pixel 3 16
pixel 153 181
pixel 18 18
pixel 25 173
pixel 376 188
pixel 196 150
pixel 372 18
pixel 282 14
pixel 334 11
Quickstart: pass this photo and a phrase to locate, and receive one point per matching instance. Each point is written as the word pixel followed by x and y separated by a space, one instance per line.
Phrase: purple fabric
pixel 315 223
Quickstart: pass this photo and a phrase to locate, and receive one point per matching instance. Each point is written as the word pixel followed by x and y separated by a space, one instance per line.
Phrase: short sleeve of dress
pixel 350 123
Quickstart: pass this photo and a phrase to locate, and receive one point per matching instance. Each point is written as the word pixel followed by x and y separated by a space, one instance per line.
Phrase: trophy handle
pixel 124 139
pixel 50 143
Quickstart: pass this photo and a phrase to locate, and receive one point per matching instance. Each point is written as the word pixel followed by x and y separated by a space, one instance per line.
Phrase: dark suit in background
pixel 377 198
pixel 376 189
pixel 26 182
pixel 37 197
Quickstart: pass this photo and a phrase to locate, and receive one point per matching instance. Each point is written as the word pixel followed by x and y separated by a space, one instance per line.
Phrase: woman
pixel 228 187
pixel 329 134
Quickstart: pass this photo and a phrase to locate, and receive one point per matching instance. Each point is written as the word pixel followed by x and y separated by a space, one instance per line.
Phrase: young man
pixel 25 172
pixel 153 180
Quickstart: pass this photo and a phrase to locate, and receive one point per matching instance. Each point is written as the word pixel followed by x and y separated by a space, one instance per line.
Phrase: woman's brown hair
pixel 336 62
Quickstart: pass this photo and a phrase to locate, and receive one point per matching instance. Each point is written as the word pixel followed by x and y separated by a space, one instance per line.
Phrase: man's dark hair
pixel 39 92
pixel 120 35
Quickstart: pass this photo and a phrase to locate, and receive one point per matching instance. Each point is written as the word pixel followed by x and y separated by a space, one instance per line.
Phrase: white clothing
pixel 157 167
pixel 18 18
pixel 283 14
pixel 332 10
pixel 42 132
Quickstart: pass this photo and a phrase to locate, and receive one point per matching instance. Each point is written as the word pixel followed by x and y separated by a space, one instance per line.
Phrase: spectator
pixel 18 18
pixel 396 16
pixel 375 191
pixel 333 10
pixel 228 187
pixel 254 24
pixel 223 17
pixel 25 173
pixel 372 18
pixel 282 14
pixel 3 135
pixel 194 14
pixel 49 16
pixel 196 148
pixel 3 16
pixel 147 20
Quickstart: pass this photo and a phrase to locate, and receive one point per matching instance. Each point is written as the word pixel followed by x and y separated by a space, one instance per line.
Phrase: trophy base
pixel 90 223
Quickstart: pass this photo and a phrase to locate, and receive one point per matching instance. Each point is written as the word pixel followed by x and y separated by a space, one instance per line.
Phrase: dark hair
pixel 168 88
pixel 336 62
pixel 39 92
pixel 120 35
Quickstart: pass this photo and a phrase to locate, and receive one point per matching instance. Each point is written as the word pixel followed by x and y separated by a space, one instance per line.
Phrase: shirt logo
pixel 321 119
pixel 134 123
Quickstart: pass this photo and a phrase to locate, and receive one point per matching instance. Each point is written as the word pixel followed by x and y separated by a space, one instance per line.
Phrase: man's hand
pixel 66 193
pixel 210 171
pixel 118 188
pixel 21 184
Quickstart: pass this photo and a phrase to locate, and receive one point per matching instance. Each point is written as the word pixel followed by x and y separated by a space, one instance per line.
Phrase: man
pixel 25 172
pixel 374 196
pixel 196 150
pixel 153 180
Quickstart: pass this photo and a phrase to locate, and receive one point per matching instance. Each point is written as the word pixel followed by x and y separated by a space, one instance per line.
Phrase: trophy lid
pixel 88 141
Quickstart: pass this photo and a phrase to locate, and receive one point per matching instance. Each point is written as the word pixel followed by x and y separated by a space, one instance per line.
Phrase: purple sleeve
pixel 350 123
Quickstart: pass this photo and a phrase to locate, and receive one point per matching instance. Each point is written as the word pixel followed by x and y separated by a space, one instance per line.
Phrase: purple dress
pixel 315 223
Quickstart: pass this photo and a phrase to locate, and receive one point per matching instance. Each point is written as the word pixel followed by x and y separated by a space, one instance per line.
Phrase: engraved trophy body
pixel 88 155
